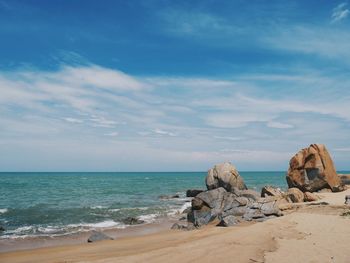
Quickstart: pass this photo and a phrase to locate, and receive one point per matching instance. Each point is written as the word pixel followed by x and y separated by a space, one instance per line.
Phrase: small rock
pixel 269 190
pixel 193 192
pixel 228 221
pixel 347 199
pixel 98 236
pixel 132 221
pixel 295 195
pixel 2 229
pixel 177 226
pixel 310 197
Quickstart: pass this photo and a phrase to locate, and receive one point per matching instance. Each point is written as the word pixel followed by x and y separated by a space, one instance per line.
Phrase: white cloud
pixel 163 132
pixel 112 134
pixel 73 120
pixel 279 125
pixel 340 12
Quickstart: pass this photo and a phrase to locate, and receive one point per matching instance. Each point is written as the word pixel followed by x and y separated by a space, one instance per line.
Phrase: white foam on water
pixel 3 210
pixel 148 218
pixel 103 224
pixel 98 207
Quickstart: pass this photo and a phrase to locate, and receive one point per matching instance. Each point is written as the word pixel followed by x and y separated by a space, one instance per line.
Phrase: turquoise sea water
pixel 62 203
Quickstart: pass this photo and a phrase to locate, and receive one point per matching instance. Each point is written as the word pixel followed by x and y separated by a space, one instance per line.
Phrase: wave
pixel 3 210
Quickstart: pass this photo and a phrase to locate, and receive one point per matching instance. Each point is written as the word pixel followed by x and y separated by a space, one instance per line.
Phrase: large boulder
pixel 224 175
pixel 193 192
pixel 312 169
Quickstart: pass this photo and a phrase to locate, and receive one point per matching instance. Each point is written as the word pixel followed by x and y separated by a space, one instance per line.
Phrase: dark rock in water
pixel 193 192
pixel 224 175
pixel 269 190
pixel 228 221
pixel 2 229
pixel 312 169
pixel 132 221
pixel 168 196
pixel 98 236
pixel 347 199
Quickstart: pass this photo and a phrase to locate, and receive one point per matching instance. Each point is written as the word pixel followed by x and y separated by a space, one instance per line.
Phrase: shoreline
pixel 304 231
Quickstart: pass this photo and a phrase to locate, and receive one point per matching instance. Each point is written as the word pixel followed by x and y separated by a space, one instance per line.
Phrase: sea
pixel 56 204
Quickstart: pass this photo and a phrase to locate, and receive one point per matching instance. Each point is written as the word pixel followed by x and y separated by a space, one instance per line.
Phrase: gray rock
pixel 197 203
pixel 212 198
pixel 193 192
pixel 98 236
pixel 224 175
pixel 132 221
pixel 200 218
pixel 228 221
pixel 251 194
pixel 347 199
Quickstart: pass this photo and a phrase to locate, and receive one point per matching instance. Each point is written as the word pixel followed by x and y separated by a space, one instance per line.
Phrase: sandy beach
pixel 306 233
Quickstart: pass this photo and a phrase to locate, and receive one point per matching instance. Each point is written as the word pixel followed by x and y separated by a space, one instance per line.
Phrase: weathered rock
pixel 212 198
pixel 197 203
pixel 228 221
pixel 310 197
pixel 312 169
pixel 200 218
pixel 344 178
pixel 98 236
pixel 224 175
pixel 250 194
pixel 347 199
pixel 132 221
pixel 269 190
pixel 165 197
pixel 295 195
pixel 177 226
pixel 193 192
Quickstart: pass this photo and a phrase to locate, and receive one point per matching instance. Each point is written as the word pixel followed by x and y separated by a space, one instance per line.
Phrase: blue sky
pixel 171 85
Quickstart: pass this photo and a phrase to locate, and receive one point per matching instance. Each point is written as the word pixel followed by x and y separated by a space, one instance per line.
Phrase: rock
pixel 200 218
pixel 325 190
pixel 212 198
pixel 177 226
pixel 250 194
pixel 132 221
pixel 183 218
pixel 228 221
pixel 344 178
pixel 197 203
pixel 295 195
pixel 165 197
pixel 2 229
pixel 98 236
pixel 310 197
pixel 193 192
pixel 347 199
pixel 269 190
pixel 187 210
pixel 312 169
pixel 224 175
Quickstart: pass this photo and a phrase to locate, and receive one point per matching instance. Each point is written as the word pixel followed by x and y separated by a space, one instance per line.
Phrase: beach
pixel 306 233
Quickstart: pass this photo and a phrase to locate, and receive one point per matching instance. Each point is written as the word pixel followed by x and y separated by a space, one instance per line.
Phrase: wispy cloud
pixel 340 12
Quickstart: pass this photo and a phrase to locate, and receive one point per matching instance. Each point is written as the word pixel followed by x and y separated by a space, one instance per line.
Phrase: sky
pixel 163 85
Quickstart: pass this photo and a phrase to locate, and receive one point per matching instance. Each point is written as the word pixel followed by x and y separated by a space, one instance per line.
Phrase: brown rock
pixel 271 191
pixel 312 169
pixel 310 197
pixel 295 195
pixel 224 175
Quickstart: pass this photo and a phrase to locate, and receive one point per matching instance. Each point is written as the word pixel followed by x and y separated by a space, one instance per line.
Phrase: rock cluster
pixel 312 169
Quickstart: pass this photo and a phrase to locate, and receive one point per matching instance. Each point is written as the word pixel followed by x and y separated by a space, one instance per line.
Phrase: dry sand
pixel 316 233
